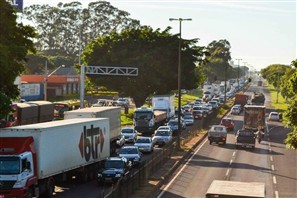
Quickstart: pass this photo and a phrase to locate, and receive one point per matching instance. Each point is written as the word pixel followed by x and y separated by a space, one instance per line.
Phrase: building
pixel 62 82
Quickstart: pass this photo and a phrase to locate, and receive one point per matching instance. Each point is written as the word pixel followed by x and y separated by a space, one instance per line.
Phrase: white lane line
pixel 233 155
pixel 272 167
pixel 227 173
pixel 276 194
pixel 179 172
pixel 271 158
pixel 274 179
pixel 231 162
pixel 270 150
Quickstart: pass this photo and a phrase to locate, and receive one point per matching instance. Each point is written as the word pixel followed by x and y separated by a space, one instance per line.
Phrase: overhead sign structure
pixel 18 4
pixel 103 70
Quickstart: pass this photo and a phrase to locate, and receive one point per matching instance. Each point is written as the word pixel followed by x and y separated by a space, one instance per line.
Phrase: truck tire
pixel 31 192
pixel 50 187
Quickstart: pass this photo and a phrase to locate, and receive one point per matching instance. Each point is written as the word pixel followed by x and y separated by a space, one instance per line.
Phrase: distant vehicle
pixel 235 110
pixel 254 117
pixel 258 98
pixel 100 103
pixel 214 104
pixel 144 144
pixel 198 114
pixel 131 153
pixel 235 189
pixel 189 119
pixel 228 123
pixel 123 101
pixel 67 105
pixel 187 108
pixel 165 128
pixel 241 99
pixel 114 168
pixel 274 116
pixel 183 91
pixel 217 133
pixel 162 137
pixel 130 134
pixel 173 124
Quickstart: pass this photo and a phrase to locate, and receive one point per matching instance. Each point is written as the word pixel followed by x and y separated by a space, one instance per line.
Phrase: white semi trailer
pixel 113 113
pixel 33 157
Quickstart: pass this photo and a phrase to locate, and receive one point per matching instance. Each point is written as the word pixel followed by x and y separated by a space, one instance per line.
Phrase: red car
pixel 228 123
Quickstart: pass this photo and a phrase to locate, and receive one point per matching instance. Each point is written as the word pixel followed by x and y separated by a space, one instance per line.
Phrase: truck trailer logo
pixel 89 142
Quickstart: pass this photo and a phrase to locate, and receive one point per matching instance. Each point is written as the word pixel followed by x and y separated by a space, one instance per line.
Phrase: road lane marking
pixel 274 179
pixel 233 155
pixel 179 172
pixel 276 194
pixel 272 167
pixel 230 162
pixel 270 150
pixel 227 173
pixel 271 158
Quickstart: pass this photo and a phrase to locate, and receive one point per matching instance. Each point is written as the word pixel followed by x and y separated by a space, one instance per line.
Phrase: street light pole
pixel 244 65
pixel 179 78
pixel 46 78
pixel 238 59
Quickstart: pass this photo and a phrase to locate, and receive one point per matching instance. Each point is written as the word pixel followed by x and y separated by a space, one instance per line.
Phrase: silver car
pixel 130 134
pixel 162 137
pixel 131 153
pixel 144 144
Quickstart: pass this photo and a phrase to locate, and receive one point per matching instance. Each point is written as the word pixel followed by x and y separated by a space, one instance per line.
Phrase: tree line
pixel 106 36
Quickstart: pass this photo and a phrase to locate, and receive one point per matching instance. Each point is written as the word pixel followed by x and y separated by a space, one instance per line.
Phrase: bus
pixel 67 105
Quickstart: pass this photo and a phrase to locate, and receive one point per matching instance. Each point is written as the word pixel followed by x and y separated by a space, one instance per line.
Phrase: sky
pixel 260 33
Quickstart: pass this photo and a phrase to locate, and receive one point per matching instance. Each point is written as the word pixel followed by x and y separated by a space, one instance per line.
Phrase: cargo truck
pixel 29 113
pixel 33 157
pixel 254 117
pixel 164 103
pixel 258 98
pixel 236 189
pixel 146 120
pixel 241 99
pixel 113 113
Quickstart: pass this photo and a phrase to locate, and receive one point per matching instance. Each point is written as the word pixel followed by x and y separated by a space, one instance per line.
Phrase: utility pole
pixel 238 59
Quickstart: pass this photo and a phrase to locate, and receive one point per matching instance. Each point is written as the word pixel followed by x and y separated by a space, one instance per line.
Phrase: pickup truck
pixel 114 169
pixel 217 133
pixel 245 138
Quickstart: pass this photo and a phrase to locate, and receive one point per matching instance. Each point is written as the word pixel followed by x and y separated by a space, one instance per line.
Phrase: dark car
pixel 115 168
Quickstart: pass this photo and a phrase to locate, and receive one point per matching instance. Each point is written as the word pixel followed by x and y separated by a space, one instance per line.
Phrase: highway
pixel 269 162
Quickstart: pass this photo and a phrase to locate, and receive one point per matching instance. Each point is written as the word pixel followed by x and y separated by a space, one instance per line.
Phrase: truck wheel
pixel 50 187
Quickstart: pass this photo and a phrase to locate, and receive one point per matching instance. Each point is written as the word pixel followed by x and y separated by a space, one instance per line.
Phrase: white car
pixel 165 128
pixel 274 116
pixel 130 134
pixel 144 144
pixel 131 153
pixel 189 119
pixel 235 110
pixel 162 137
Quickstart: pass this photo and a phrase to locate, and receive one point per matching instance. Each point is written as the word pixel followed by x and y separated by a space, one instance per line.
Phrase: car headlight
pixel 99 175
pixel 118 175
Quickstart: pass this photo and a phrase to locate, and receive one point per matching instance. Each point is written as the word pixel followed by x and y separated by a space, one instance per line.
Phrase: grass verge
pixel 277 101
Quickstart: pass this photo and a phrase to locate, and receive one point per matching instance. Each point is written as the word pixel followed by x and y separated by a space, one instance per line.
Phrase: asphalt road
pixel 270 162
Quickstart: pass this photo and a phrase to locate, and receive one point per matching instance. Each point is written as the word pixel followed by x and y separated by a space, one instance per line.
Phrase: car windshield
pixel 128 151
pixel 226 121
pixel 162 133
pixel 188 117
pixel 172 123
pixel 114 164
pixel 218 128
pixel 9 165
pixel 143 140
pixel 127 130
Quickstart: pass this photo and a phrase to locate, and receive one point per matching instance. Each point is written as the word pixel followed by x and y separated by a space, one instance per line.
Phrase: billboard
pixel 18 4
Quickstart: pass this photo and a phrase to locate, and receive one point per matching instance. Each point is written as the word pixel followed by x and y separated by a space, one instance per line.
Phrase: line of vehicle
pixel 179 172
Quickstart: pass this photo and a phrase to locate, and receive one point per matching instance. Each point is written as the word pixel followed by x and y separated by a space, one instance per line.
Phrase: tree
pixel 14 45
pixel 62 29
pixel 272 73
pixel 218 61
pixel 154 53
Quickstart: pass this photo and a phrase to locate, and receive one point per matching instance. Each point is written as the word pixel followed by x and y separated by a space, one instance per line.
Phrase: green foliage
pixel 62 29
pixel 291 140
pixel 154 53
pixel 274 72
pixel 14 45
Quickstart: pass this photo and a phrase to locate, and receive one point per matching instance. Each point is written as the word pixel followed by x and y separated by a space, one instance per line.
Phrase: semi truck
pixel 241 98
pixel 254 117
pixel 29 113
pixel 258 98
pixel 113 113
pixel 236 189
pixel 33 157
pixel 164 103
pixel 147 120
